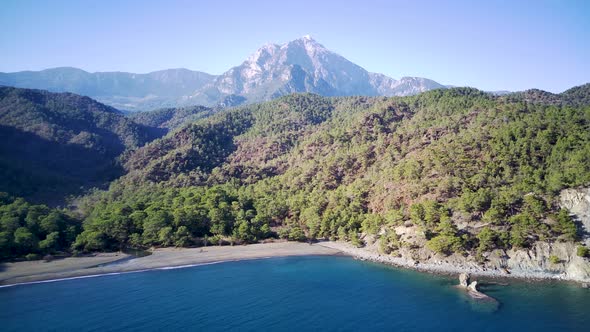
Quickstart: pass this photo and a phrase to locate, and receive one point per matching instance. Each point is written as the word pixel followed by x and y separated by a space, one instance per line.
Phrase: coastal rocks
pixel 535 262
pixel 471 288
pixel 531 263
pixel 578 268
pixel 464 280
pixel 536 258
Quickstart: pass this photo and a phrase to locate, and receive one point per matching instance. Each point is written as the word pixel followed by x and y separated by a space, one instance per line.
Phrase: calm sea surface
pixel 288 294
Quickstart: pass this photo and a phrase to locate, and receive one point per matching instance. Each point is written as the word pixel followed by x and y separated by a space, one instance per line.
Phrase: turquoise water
pixel 288 294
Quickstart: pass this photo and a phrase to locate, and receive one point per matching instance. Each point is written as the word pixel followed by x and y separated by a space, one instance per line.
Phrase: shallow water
pixel 292 293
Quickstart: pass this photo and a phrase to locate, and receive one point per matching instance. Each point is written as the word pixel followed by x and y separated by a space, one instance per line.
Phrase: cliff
pixel 577 201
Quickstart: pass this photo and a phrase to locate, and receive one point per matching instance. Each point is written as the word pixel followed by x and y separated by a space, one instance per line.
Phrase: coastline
pixel 165 258
pixel 440 267
pixel 101 264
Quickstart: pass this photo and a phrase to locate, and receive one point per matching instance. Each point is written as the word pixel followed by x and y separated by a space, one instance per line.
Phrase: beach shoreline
pixel 19 273
pixel 102 264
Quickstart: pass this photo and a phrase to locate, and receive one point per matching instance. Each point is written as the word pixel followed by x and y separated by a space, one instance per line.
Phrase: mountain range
pixel 302 65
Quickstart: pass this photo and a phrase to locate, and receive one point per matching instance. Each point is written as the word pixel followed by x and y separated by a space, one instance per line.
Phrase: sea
pixel 309 293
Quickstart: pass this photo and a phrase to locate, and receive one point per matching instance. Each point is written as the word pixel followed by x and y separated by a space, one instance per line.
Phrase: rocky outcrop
pixel 464 280
pixel 471 288
pixel 528 264
pixel 536 259
pixel 577 201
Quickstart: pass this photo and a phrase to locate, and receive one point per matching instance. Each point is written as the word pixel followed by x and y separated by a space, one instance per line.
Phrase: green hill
pixel 305 166
pixel 57 144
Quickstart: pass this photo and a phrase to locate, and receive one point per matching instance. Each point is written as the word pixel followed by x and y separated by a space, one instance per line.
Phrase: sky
pixel 491 45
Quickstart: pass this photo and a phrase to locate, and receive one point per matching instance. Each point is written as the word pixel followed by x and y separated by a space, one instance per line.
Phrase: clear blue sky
pixel 491 45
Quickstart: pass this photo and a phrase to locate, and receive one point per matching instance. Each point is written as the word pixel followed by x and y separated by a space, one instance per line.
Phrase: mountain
pixel 56 144
pixel 121 90
pixel 406 86
pixel 302 65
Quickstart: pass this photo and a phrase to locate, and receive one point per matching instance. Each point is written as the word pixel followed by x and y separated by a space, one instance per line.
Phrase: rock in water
pixel 464 279
pixel 471 288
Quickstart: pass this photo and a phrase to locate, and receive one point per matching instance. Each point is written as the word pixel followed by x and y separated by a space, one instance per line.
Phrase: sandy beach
pixel 163 258
pixel 110 263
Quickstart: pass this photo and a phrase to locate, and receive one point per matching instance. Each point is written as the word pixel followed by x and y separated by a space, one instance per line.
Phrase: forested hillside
pixel 576 96
pixel 52 144
pixel 171 118
pixel 466 171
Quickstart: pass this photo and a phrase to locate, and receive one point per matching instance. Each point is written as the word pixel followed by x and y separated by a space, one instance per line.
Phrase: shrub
pixel 583 251
pixel 31 257
pixel 554 259
pixel 372 223
pixel 487 240
pixel 135 241
pixel 89 241
pixel 355 240
pixel 445 244
pixel 342 235
pixel 566 226
pixel 417 213
pixel 389 242
pixel 182 237
pixel 524 228
pixel 296 234
pixel 215 240
pixel 283 233
pixel 447 241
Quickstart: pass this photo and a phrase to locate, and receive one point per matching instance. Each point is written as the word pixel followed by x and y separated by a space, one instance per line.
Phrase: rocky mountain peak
pixel 267 50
